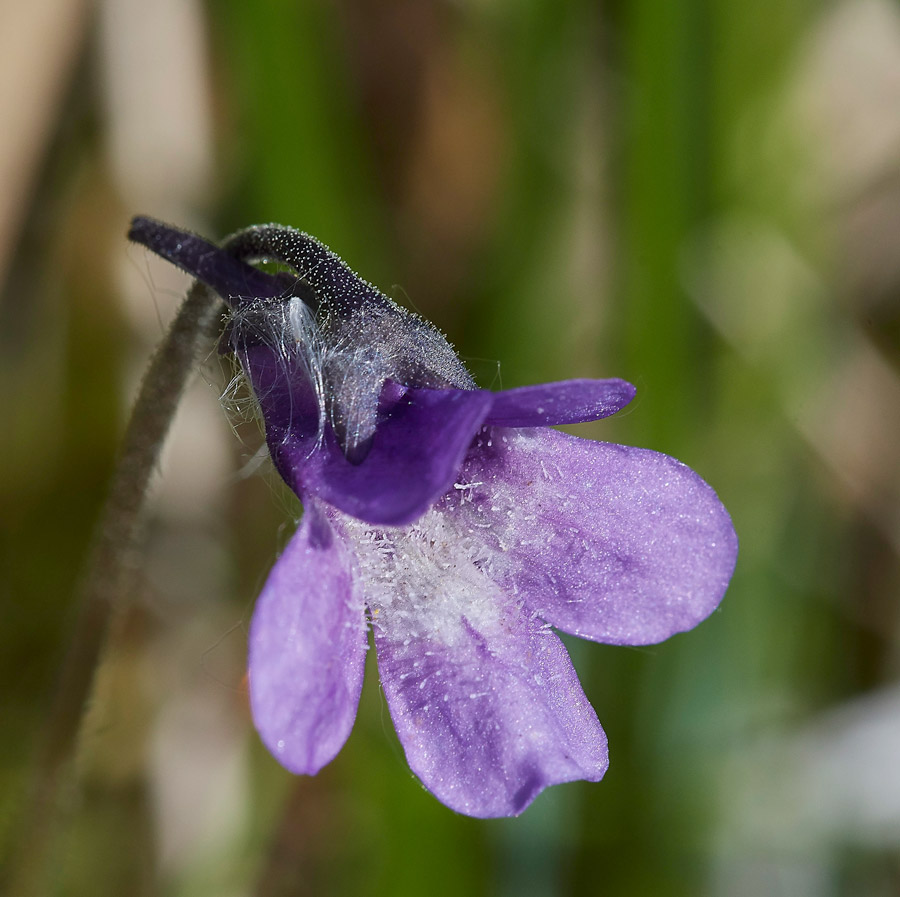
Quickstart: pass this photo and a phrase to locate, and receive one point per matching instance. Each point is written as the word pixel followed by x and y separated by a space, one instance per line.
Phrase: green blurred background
pixel 701 196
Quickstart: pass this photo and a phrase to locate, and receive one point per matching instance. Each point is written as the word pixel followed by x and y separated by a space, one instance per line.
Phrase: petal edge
pixel 562 402
pixel 307 649
pixel 607 542
pixel 490 721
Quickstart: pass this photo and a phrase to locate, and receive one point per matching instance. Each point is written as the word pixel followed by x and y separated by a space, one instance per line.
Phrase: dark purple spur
pixel 450 519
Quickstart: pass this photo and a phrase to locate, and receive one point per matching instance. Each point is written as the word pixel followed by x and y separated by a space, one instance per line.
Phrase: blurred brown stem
pixel 103 587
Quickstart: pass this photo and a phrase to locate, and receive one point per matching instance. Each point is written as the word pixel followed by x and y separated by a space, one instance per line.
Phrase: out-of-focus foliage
pixel 703 198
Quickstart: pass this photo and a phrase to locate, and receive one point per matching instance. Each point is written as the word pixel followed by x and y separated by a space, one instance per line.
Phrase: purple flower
pixel 452 521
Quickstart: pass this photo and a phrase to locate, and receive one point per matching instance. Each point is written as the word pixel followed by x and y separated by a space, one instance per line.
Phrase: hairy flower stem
pixel 103 587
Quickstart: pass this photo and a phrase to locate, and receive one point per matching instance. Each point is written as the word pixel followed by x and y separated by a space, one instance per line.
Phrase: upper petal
pixel 416 453
pixel 287 398
pixel 307 648
pixel 563 402
pixel 491 715
pixel 615 544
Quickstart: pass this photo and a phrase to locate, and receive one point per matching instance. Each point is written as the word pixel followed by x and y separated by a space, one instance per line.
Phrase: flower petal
pixel 492 717
pixel 415 455
pixel 287 400
pixel 307 649
pixel 564 402
pixel 607 542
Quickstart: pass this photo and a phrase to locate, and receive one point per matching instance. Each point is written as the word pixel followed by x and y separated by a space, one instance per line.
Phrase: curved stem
pixel 101 591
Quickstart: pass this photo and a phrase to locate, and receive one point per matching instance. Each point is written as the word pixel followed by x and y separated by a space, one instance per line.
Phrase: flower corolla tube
pixel 451 521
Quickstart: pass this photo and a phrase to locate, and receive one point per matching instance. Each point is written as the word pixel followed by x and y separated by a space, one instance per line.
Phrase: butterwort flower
pixel 450 520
